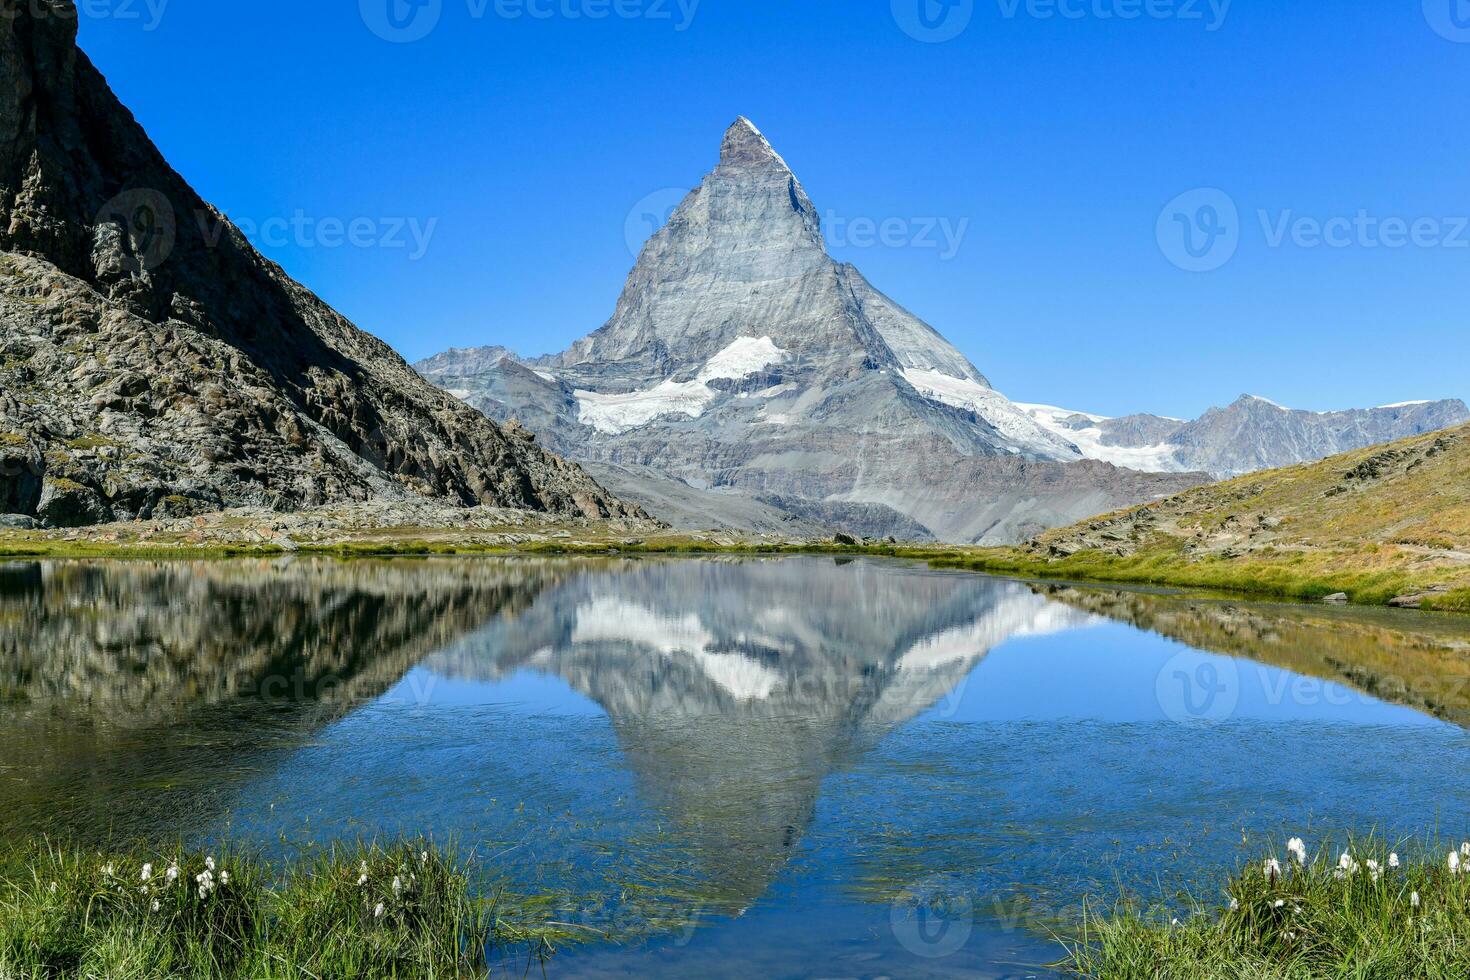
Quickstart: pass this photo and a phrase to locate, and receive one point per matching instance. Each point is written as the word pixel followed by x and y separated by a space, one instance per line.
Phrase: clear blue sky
pixel 1055 142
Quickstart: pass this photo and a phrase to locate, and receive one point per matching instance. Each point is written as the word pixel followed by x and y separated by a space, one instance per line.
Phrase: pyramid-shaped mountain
pixel 152 363
pixel 742 361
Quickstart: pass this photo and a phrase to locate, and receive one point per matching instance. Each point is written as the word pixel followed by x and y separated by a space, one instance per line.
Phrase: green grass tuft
pixel 405 910
pixel 1303 922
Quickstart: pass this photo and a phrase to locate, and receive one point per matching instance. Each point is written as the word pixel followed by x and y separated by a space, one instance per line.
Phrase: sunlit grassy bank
pixel 1286 577
pixel 1361 912
pixel 407 910
pixel 1289 577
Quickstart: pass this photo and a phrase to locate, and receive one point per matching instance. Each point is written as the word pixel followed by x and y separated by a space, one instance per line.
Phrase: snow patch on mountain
pixel 1015 617
pixel 613 620
pixel 1022 431
pixel 617 413
pixel 1159 458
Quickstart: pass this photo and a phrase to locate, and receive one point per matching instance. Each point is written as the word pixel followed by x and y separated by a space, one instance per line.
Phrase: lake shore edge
pixel 1362 580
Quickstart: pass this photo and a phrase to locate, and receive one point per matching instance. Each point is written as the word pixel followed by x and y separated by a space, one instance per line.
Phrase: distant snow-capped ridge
pixel 1253 433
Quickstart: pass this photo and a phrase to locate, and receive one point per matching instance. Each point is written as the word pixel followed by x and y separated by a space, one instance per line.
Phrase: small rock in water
pixel 1337 599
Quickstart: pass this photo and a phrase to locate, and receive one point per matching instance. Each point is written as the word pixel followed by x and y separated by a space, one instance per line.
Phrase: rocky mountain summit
pixel 743 362
pixel 1250 434
pixel 152 363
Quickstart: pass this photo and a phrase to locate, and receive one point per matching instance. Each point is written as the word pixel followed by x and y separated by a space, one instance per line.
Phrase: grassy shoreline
pixel 1247 578
pixel 405 909
pixel 1363 912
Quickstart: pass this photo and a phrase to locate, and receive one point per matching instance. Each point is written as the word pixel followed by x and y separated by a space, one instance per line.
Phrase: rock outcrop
pixel 743 360
pixel 152 363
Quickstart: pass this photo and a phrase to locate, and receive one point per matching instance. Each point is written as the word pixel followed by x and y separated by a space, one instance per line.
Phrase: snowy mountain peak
pixel 745 147
pixel 1258 400
pixel 742 359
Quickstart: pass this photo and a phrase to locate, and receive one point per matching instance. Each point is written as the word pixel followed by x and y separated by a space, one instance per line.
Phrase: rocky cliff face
pixel 1250 434
pixel 153 363
pixel 742 359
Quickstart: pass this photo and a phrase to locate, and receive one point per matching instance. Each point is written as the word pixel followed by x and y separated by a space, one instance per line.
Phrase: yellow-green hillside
pixel 1385 524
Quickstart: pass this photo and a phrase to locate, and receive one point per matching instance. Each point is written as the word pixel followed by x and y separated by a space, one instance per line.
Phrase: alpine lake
pixel 785 767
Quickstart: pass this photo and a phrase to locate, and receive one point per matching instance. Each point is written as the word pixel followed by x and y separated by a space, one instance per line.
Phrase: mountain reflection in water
pixel 713 735
pixel 140 696
pixel 736 688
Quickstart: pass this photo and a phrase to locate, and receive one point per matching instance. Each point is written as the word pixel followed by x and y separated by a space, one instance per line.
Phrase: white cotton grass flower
pixel 1393 862
pixel 1465 850
pixel 109 870
pixel 53 888
pixel 397 886
pixel 1271 868
pixel 1234 903
pixel 378 912
pixel 1374 870
pixel 155 906
pixel 209 864
pixel 423 857
pixel 1453 862
pixel 1347 866
pixel 146 873
pixel 1414 900
pixel 1297 848
pixel 172 875
pixel 1278 903
pixel 224 877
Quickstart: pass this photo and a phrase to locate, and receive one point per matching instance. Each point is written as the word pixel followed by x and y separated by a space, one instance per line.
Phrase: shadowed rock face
pixel 742 358
pixel 111 674
pixel 736 689
pixel 153 363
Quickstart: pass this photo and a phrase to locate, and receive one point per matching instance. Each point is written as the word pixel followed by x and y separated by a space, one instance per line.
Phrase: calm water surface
pixel 785 768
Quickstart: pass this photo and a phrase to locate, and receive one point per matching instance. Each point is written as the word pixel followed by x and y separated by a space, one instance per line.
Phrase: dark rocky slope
pixel 153 363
